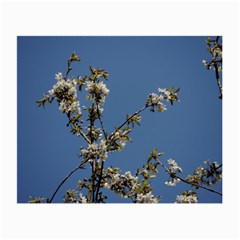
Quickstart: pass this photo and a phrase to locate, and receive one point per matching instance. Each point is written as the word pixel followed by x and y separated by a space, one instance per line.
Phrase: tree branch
pixel 64 180
pixel 199 186
pixel 136 113
pixel 101 122
pixel 192 184
pixel 99 180
pixel 218 80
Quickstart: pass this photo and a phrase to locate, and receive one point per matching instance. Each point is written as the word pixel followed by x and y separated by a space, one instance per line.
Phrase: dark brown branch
pixel 99 180
pixel 199 186
pixel 101 122
pixel 218 79
pixel 102 163
pixel 92 182
pixel 185 181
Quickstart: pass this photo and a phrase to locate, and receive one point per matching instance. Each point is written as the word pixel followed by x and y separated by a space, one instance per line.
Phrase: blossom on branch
pixel 97 91
pixel 155 100
pixel 173 170
pixel 209 175
pixel 95 151
pixel 187 197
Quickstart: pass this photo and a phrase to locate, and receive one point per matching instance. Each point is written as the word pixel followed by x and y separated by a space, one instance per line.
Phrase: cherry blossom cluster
pixel 209 175
pixel 95 151
pixel 215 48
pixel 97 91
pixel 156 100
pixel 173 170
pixel 129 186
pixel 73 196
pixel 187 197
pixel 65 93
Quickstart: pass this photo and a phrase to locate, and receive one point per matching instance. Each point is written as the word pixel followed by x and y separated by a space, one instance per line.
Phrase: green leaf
pixel 149 158
pixel 171 89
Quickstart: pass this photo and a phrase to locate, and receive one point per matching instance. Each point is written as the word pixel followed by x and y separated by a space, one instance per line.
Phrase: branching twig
pixel 199 186
pixel 102 163
pixel 136 113
pixel 85 137
pixel 185 181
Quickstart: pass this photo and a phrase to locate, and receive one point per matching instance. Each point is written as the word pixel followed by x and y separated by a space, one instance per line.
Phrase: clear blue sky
pixel 189 132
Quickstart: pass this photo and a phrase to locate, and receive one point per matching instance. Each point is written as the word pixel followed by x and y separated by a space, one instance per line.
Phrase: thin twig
pixel 84 136
pixel 101 122
pixel 218 167
pixel 136 113
pixel 64 180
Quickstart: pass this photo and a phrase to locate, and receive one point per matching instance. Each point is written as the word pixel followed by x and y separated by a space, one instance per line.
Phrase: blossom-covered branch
pixel 215 49
pixel 98 143
pixel 208 176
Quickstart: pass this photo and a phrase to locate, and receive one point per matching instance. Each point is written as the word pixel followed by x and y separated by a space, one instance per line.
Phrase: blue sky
pixel 189 132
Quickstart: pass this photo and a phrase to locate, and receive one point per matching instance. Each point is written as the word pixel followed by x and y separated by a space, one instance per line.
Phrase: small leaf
pixel 177 90
pixel 74 57
pixel 171 89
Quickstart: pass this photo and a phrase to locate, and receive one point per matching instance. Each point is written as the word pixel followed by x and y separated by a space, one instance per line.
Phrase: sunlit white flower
pixel 167 94
pixel 72 91
pixel 97 91
pixel 95 151
pixel 59 76
pixel 174 166
pixel 156 100
pixel 51 92
pixel 66 94
pixel 82 198
pixel 146 198
pixel 172 182
pixel 107 185
pixel 187 197
pixel 115 178
pixel 216 165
